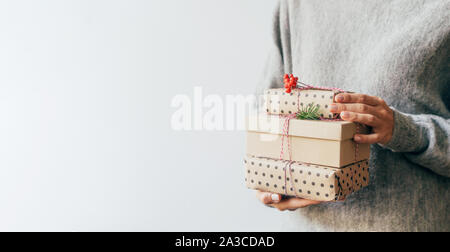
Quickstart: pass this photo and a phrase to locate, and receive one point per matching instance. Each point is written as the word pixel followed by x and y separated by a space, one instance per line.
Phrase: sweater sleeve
pixel 423 139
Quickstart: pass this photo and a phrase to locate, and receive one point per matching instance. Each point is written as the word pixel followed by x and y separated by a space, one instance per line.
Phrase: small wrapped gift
pixel 278 102
pixel 328 143
pixel 314 182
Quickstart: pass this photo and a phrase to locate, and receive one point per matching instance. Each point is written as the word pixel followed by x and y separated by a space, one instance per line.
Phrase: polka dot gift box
pixel 299 148
pixel 306 181
pixel 278 102
pixel 298 96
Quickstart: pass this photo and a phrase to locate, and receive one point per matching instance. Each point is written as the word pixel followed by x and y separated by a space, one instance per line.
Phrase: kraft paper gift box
pixel 328 143
pixel 306 181
pixel 277 101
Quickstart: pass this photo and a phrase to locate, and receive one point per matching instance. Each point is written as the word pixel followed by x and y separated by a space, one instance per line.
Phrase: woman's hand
pixel 274 200
pixel 368 110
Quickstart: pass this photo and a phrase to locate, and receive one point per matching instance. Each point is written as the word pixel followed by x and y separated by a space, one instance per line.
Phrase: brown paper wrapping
pixel 315 142
pixel 331 130
pixel 306 181
pixel 277 101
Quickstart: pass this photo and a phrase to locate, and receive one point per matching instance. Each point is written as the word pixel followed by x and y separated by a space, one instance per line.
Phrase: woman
pixel 395 56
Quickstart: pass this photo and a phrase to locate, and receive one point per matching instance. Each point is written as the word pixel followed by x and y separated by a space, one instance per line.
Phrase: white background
pixel 85 93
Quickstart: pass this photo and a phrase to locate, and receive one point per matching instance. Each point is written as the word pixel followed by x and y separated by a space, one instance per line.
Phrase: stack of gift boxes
pixel 311 159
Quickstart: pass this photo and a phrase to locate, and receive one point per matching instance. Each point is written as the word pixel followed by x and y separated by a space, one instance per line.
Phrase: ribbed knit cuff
pixel 408 135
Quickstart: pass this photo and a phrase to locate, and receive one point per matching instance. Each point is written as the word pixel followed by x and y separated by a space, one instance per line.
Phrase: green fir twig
pixel 310 112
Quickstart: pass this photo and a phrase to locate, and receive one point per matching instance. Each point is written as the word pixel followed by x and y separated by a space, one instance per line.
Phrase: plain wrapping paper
pixel 330 130
pixel 315 142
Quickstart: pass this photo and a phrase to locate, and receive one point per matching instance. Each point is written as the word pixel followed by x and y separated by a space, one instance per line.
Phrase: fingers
pixel 359 98
pixel 369 139
pixel 294 203
pixel 366 119
pixel 268 198
pixel 353 107
pixel 274 200
pixel 382 133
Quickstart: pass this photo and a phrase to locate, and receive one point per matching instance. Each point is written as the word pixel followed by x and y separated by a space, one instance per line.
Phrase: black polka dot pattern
pixel 306 181
pixel 281 103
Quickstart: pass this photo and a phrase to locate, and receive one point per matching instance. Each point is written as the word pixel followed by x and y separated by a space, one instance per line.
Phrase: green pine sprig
pixel 310 112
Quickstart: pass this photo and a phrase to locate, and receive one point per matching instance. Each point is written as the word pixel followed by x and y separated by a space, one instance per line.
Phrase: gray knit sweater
pixel 397 50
